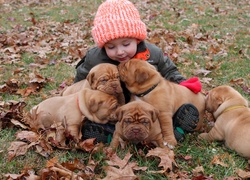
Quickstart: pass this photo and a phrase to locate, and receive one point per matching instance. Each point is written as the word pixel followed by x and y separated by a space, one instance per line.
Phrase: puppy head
pixel 103 106
pixel 136 119
pixel 213 101
pixel 222 95
pixel 135 73
pixel 105 77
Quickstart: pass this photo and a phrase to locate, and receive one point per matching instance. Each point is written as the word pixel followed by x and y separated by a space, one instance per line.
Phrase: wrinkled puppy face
pixel 127 72
pixel 136 119
pixel 105 77
pixel 222 94
pixel 214 98
pixel 104 107
pixel 134 73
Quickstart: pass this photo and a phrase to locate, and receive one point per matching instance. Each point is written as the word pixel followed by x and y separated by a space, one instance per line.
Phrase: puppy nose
pixel 136 130
pixel 120 51
pixel 114 85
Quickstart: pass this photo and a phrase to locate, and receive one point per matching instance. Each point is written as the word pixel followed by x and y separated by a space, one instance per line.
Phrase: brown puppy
pixel 97 106
pixel 103 77
pixel 137 122
pixel 232 116
pixel 147 84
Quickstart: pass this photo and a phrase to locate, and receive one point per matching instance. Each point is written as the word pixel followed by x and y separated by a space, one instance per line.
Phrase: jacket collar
pixel 142 51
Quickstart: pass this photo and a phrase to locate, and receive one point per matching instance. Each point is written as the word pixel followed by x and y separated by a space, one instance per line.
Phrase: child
pixel 119 35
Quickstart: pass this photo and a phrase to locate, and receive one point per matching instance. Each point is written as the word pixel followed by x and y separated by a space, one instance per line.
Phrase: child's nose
pixel 120 51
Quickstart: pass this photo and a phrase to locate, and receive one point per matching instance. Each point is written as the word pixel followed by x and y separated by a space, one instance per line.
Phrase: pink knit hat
pixel 117 19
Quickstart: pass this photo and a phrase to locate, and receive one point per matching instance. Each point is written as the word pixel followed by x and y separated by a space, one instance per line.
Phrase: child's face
pixel 121 49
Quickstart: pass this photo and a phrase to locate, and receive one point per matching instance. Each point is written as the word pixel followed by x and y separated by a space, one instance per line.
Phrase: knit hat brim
pixel 109 30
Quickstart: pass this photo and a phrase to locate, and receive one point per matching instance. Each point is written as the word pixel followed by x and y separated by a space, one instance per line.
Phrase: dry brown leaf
pixel 27 136
pixel 238 81
pixel 206 80
pixel 218 160
pixel 87 145
pixel 90 168
pixel 54 170
pixel 45 151
pixel 72 166
pixel 204 72
pixel 243 174
pixel 198 170
pixel 116 173
pixel 17 123
pixel 116 161
pixel 26 92
pixel 52 162
pixel 27 175
pixel 12 176
pixel 167 158
pixel 17 148
pixel 120 169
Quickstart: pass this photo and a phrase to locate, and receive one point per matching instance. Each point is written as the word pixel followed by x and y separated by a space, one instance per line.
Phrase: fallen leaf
pixel 87 144
pixel 116 173
pixel 29 136
pixel 198 170
pixel 166 156
pixel 120 169
pixel 243 174
pixel 201 71
pixel 206 80
pixel 19 124
pixel 116 161
pixel 17 148
pixel 217 160
pixel 238 81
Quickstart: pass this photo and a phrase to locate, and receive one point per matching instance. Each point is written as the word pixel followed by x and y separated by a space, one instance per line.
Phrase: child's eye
pixel 126 44
pixel 110 47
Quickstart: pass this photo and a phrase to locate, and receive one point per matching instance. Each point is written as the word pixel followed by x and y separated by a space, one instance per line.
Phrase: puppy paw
pixel 203 136
pixel 170 142
pixel 168 145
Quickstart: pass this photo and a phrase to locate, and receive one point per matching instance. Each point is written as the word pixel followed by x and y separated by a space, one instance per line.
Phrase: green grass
pixel 222 23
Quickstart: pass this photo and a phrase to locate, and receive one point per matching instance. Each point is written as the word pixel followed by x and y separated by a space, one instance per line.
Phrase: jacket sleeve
pixel 169 70
pixel 81 70
pixel 86 64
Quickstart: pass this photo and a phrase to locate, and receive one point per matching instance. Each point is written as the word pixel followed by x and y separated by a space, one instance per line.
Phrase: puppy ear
pixel 141 75
pixel 218 100
pixel 90 78
pixel 94 105
pixel 215 97
pixel 154 114
pixel 121 68
pixel 119 114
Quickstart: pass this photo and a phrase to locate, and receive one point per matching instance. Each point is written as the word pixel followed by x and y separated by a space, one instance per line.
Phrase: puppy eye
pixel 127 121
pixel 145 122
pixel 103 80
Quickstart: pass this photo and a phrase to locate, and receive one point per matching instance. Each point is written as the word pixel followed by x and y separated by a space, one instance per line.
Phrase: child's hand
pixel 193 84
